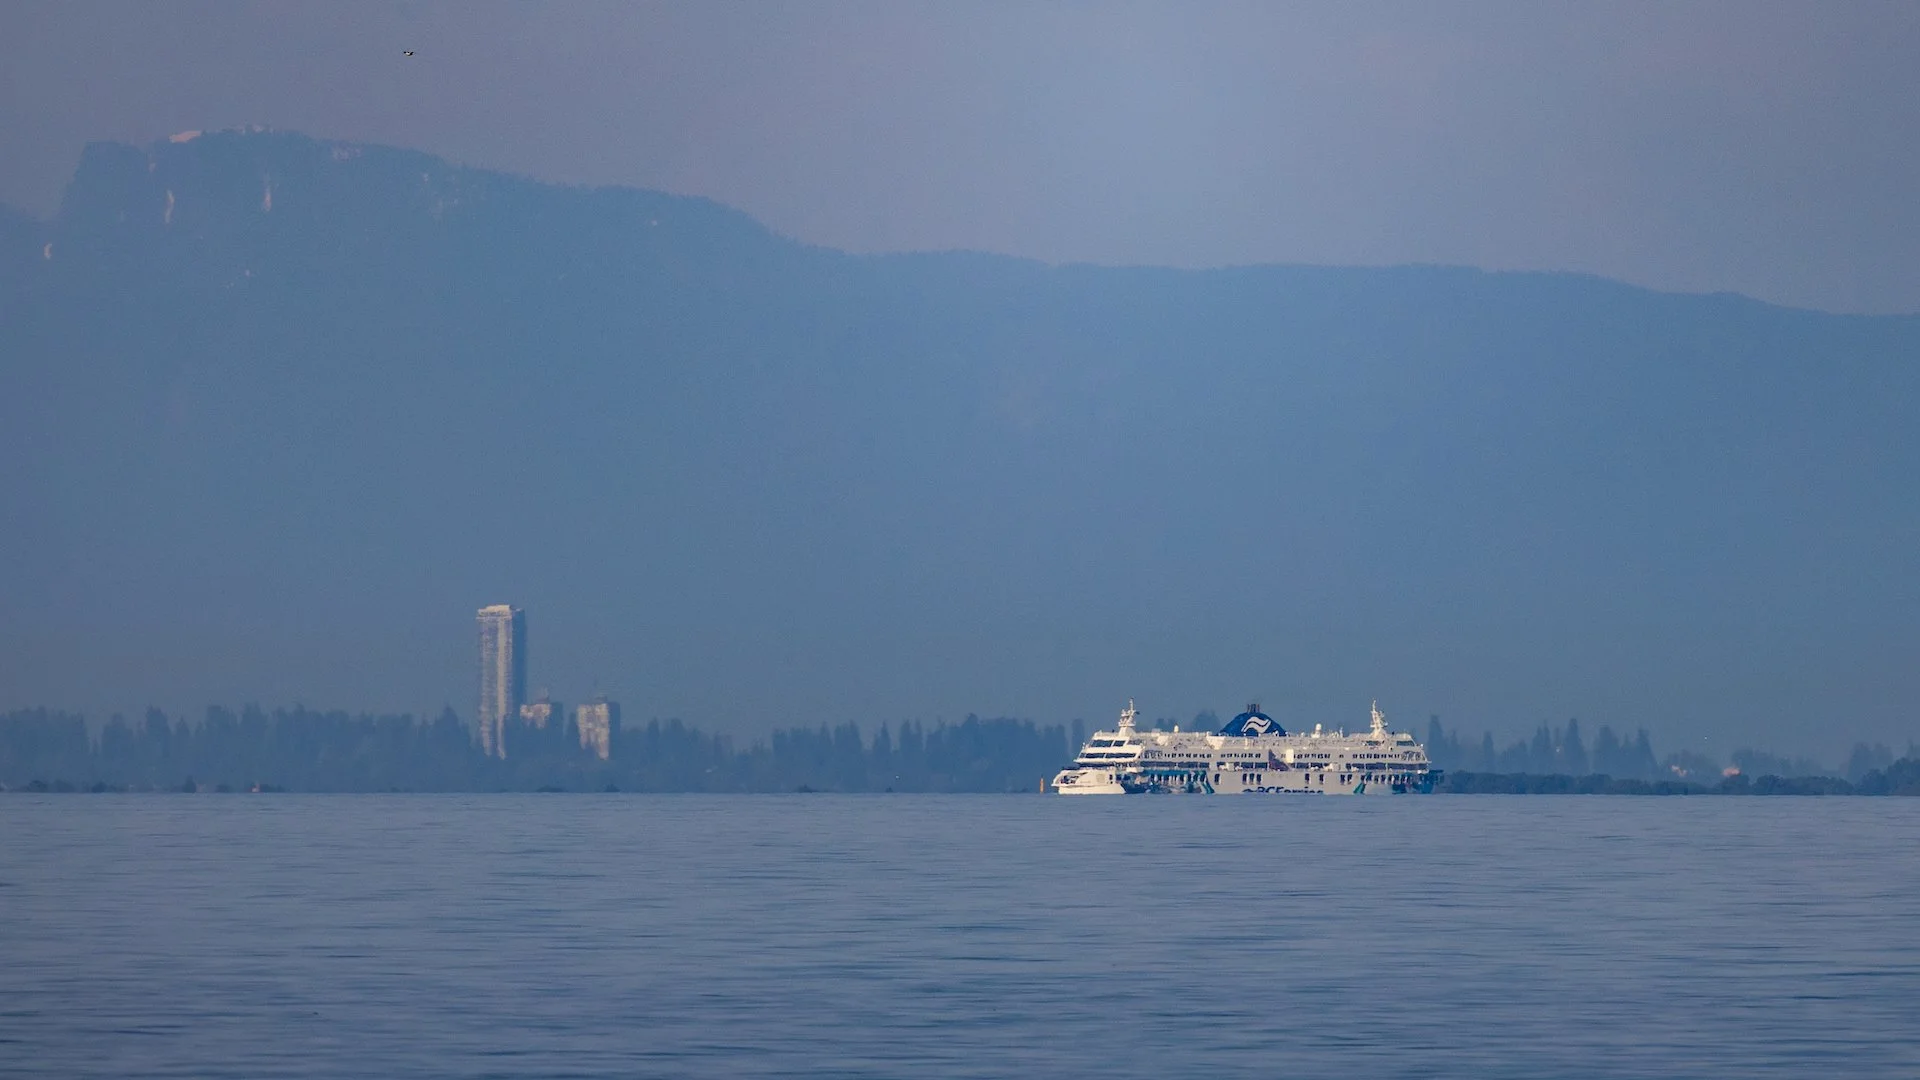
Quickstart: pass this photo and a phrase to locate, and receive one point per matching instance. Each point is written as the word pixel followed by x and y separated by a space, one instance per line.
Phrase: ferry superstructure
pixel 1251 755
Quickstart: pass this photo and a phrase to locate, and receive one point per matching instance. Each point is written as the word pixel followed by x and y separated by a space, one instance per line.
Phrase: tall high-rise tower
pixel 503 674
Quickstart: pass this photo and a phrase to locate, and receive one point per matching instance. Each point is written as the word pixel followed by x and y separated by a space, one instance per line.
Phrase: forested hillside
pixel 306 750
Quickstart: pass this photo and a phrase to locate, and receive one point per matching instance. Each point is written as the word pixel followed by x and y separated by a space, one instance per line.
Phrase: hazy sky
pixel 1769 149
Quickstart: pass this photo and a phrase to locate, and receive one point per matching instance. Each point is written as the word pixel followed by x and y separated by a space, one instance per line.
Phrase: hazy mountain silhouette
pixel 280 413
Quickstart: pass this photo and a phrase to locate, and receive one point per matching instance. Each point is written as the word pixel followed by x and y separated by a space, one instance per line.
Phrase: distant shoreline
pixel 1902 778
pixel 1896 782
pixel 300 750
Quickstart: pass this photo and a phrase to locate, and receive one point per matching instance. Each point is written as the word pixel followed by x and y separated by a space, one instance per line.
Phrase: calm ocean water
pixel 957 936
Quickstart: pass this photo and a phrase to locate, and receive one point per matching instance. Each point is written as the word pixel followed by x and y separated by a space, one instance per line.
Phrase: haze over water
pixel 428 936
pixel 813 380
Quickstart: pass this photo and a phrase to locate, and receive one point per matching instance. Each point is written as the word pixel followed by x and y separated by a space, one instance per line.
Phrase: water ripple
pixel 823 936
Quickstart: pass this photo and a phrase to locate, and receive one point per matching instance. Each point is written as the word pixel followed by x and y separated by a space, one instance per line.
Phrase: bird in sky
pixel 406 52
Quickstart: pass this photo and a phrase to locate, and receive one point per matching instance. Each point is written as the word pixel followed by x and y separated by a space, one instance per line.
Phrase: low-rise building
pixel 541 714
pixel 597 721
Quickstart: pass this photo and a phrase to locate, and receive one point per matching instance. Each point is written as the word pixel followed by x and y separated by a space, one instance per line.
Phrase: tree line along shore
pixel 299 749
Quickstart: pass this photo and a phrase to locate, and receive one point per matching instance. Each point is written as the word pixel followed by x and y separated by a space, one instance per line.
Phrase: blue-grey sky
pixel 1765 148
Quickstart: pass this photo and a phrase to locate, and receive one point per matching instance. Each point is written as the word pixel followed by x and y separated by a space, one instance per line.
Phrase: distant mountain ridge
pixel 285 411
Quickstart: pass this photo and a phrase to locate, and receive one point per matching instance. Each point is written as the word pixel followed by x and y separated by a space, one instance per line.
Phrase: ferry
pixel 1252 755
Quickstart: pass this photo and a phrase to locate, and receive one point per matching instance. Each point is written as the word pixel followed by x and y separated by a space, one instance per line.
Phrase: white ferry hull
pixel 1310 786
pixel 1266 783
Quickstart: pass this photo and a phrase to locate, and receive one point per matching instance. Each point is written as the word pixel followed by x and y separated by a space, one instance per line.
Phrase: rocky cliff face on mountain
pixel 279 413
